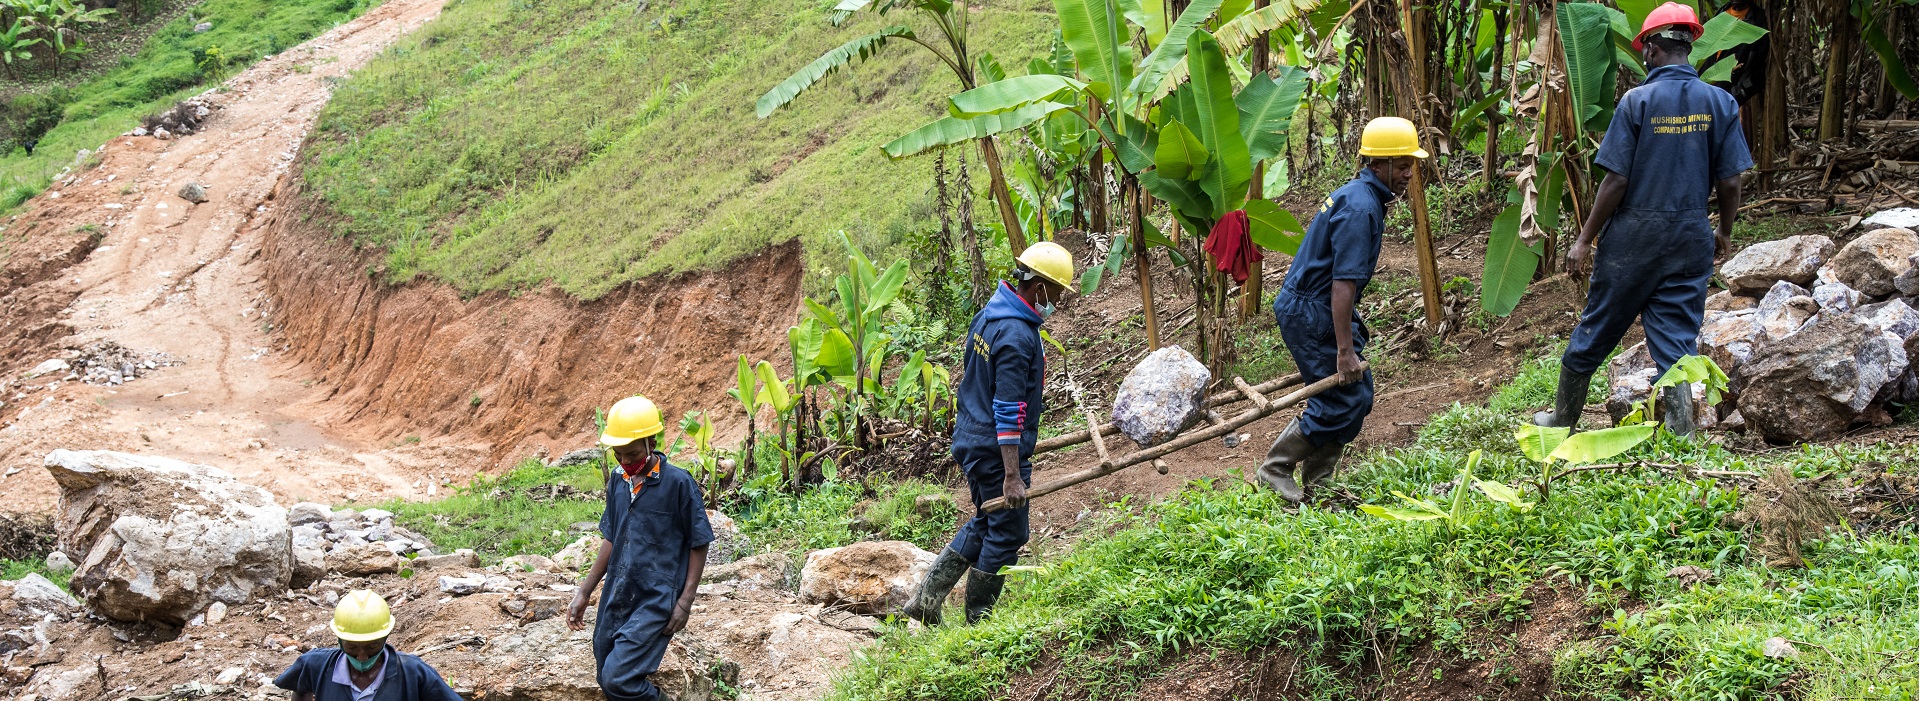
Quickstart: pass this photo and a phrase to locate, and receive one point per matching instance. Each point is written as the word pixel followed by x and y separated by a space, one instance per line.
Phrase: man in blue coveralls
pixel 653 545
pixel 995 428
pixel 364 667
pixel 1673 139
pixel 1315 307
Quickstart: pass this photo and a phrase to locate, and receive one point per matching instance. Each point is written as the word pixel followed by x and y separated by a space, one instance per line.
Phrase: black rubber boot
pixel 982 591
pixel 926 602
pixel 1287 451
pixel 1321 463
pixel 1677 409
pixel 1568 401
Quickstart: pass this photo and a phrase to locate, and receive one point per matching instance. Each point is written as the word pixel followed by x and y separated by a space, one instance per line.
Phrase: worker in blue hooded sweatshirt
pixel 1673 141
pixel 364 667
pixel 995 428
pixel 1315 308
pixel 653 546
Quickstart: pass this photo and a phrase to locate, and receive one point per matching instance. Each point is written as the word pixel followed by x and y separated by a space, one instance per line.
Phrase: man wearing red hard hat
pixel 1674 141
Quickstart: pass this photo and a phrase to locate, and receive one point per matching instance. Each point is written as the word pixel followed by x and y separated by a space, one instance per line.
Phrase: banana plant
pixel 1548 446
pixel 1455 514
pixel 1696 369
pixel 14 44
pixel 743 392
pixel 697 427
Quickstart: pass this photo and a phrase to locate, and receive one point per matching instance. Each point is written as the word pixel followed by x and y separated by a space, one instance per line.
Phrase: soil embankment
pixel 522 373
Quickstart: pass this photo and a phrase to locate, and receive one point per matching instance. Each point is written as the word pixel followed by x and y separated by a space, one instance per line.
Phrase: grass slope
pixel 172 66
pixel 594 142
pixel 1222 566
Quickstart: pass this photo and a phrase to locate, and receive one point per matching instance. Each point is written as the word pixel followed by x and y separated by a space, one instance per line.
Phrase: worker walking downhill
pixel 364 667
pixel 1673 140
pixel 653 545
pixel 1316 307
pixel 995 428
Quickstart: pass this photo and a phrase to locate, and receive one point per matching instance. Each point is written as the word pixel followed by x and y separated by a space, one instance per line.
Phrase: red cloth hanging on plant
pixel 1231 245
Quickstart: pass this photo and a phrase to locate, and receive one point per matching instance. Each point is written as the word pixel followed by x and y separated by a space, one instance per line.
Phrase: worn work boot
pixel 926 602
pixel 1321 463
pixel 1676 405
pixel 1277 471
pixel 1568 401
pixel 982 591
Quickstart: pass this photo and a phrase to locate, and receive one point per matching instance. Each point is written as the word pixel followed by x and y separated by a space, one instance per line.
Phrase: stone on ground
pixel 1795 259
pixel 1893 317
pixel 307 513
pixel 1836 298
pixel 1784 310
pixel 875 577
pixel 59 563
pixel 1813 384
pixel 1729 302
pixel 1902 217
pixel 769 571
pixel 1870 263
pixel 29 599
pixel 462 558
pixel 1728 338
pixel 529 563
pixel 1162 396
pixel 362 560
pixel 193 192
pixel 161 539
pixel 580 554
pixel 462 585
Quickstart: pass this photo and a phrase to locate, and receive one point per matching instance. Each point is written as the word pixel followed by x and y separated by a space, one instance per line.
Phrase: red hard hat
pixel 1669 14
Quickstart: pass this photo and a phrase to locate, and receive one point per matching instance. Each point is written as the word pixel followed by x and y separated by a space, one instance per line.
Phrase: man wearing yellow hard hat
pixel 1316 307
pixel 364 667
pixel 653 545
pixel 995 428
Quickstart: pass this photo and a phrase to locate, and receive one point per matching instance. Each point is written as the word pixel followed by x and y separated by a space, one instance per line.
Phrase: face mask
pixel 367 666
pixel 1046 310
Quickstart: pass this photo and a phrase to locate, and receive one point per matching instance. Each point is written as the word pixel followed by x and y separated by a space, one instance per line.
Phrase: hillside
pixel 592 142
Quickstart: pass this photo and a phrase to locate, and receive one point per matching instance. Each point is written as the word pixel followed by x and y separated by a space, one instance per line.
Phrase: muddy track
pixel 112 253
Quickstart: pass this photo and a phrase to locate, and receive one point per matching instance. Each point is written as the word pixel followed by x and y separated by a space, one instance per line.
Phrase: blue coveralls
pixel 403 678
pixel 1672 138
pixel 1342 243
pixel 652 531
pixel 1003 372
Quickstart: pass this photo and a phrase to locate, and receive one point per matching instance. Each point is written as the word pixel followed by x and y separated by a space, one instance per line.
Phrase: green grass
pixel 1751 229
pixel 1221 565
pixel 498 518
pixel 15 569
pixel 170 67
pixel 1537 383
pixel 591 143
pixel 837 513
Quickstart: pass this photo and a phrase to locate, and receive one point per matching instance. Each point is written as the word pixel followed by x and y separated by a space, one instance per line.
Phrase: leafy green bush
pixel 15 569
pixel 518 513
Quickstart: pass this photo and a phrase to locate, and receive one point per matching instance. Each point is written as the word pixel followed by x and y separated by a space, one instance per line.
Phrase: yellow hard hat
pixel 362 616
pixel 1388 137
pixel 629 420
pixel 1051 261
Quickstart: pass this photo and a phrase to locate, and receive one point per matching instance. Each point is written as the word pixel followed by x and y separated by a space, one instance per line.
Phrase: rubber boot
pixel 1677 407
pixel 982 591
pixel 932 594
pixel 1287 451
pixel 1321 463
pixel 1568 401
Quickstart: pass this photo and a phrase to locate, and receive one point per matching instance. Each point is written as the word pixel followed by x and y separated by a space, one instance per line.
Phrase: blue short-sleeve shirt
pixel 1673 137
pixel 1343 241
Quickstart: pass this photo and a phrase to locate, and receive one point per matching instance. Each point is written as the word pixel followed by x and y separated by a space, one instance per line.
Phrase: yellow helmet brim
pixel 363 637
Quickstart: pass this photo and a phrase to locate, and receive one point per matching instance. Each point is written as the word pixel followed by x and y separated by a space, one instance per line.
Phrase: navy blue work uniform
pixel 653 520
pixel 1342 243
pixel 403 677
pixel 999 397
pixel 1672 138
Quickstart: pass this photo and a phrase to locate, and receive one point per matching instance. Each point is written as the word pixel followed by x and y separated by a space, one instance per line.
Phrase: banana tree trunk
pixel 1490 163
pixel 1832 105
pixel 1016 238
pixel 1143 267
pixel 1250 292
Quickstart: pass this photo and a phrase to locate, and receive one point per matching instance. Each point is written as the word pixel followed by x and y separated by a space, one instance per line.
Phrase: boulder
pixel 528 563
pixel 727 542
pixel 193 192
pixel 378 515
pixel 1162 396
pixel 462 558
pixel 462 585
pixel 765 571
pixel 59 563
pixel 1812 385
pixel 1872 262
pixel 1630 377
pixel 1784 310
pixel 162 538
pixel 874 577
pixel 362 560
pixel 1728 338
pixel 307 513
pixel 1836 298
pixel 1729 302
pixel 1795 259
pixel 1907 284
pixel 580 554
pixel 346 520
pixel 28 599
pixel 309 556
pixel 1902 217
pixel 1893 317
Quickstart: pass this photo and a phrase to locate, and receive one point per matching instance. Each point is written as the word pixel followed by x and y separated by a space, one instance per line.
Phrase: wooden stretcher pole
pixel 1222 399
pixel 1189 440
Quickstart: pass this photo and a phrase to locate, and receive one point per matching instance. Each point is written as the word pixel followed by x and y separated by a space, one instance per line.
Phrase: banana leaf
pixel 947 131
pixel 1273 228
pixel 1723 32
pixel 1216 120
pixel 1588 447
pixel 1266 110
pixel 1586 35
pixel 1538 442
pixel 1509 264
pixel 1012 93
pixel 1101 43
pixel 1898 73
pixel 1173 48
pixel 1180 154
pixel 772 390
pixel 860 48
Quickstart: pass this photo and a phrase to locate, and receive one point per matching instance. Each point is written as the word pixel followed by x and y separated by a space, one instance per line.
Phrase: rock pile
pixel 108 363
pixel 180 120
pixel 1814 337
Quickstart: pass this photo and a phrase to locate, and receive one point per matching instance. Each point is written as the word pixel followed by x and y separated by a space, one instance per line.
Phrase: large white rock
pixel 31 598
pixel 580 554
pixel 162 538
pixel 1870 263
pixel 307 513
pixel 868 578
pixel 1836 298
pixel 1795 259
pixel 1784 310
pixel 362 560
pixel 1728 338
pixel 1812 385
pixel 1901 217
pixel 1162 396
pixel 1893 317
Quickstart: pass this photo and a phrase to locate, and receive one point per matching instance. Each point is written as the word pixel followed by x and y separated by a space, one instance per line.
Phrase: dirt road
pixel 157 274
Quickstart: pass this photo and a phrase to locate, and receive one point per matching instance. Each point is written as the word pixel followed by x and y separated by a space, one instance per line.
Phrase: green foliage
pixel 511 514
pixel 1509 264
pixel 1537 382
pixel 167 69
pixel 859 48
pixel 15 569
pixel 837 513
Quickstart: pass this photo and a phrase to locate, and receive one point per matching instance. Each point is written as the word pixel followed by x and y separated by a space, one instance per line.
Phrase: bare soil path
pixel 156 273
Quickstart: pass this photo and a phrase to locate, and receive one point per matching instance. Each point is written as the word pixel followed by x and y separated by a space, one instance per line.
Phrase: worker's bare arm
pixel 1613 189
pixel 577 611
pixel 1347 359
pixel 1728 191
pixel 1011 486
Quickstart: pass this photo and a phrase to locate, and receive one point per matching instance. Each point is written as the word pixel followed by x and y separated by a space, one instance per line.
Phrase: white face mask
pixel 1046 310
